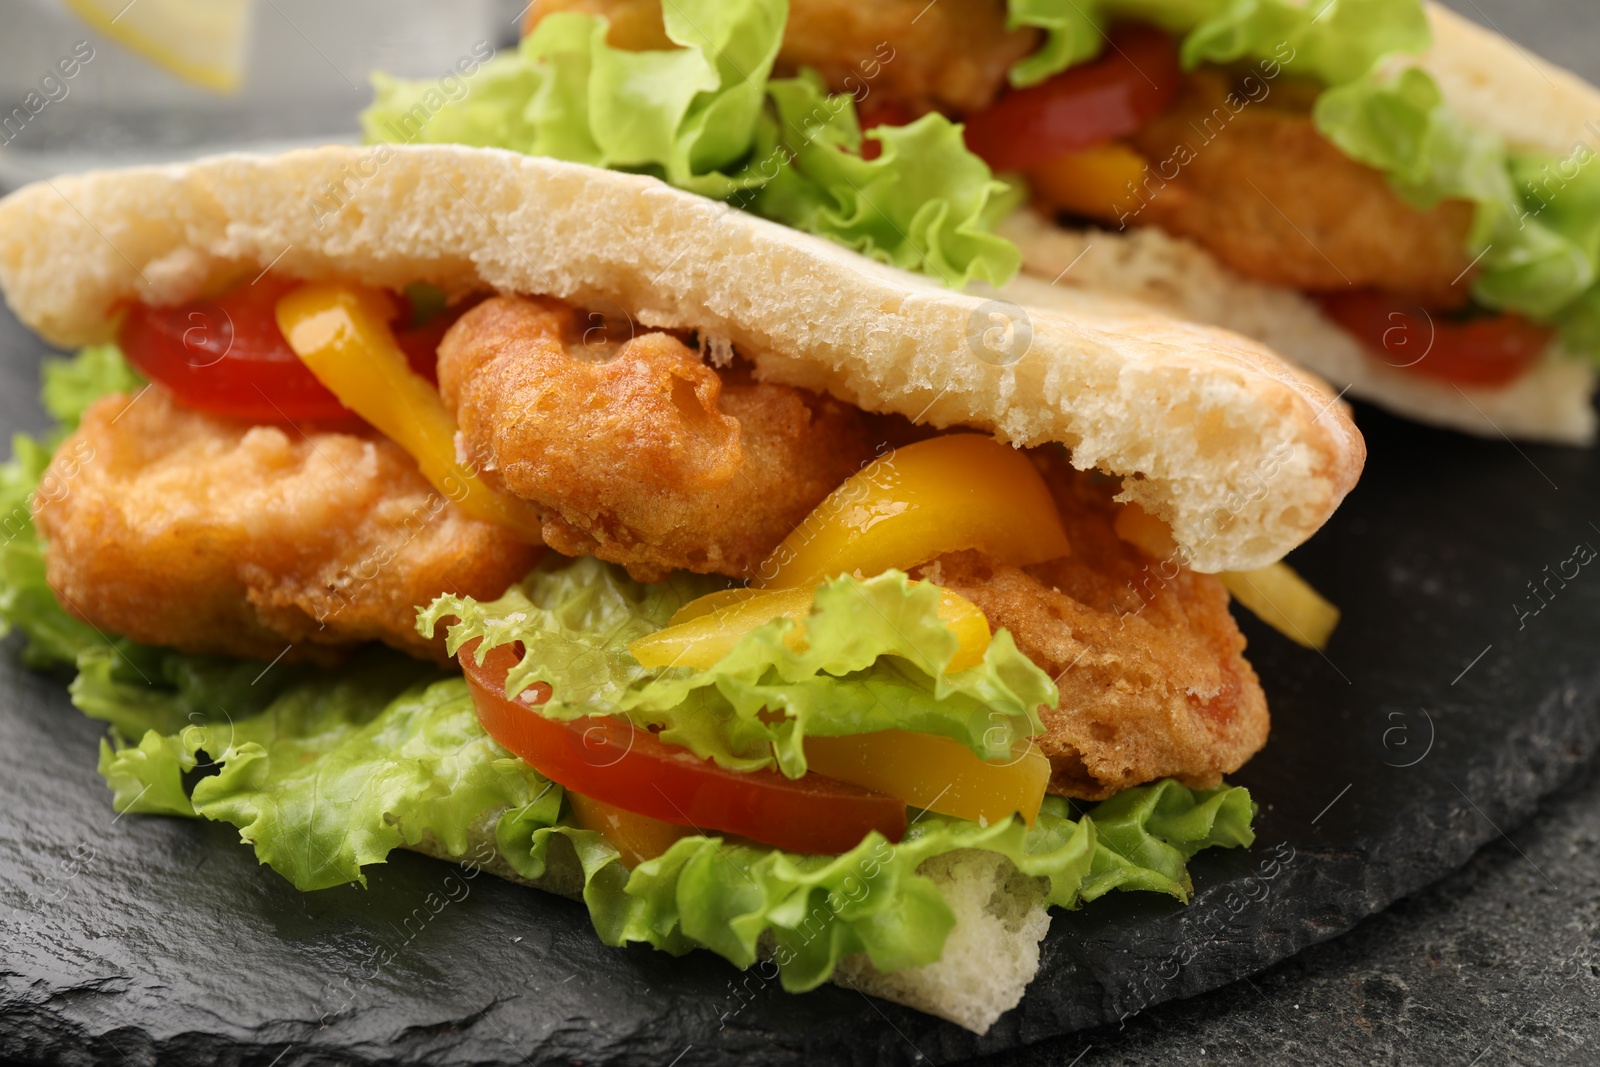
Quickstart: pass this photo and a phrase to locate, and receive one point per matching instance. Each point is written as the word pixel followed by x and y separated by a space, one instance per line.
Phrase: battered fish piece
pixel 212 536
pixel 948 56
pixel 1316 219
pixel 637 452
pixel 1148 659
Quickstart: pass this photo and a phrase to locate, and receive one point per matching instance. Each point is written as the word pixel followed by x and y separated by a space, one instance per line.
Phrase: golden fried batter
pixel 1270 197
pixel 637 452
pixel 950 55
pixel 213 536
pixel 1149 661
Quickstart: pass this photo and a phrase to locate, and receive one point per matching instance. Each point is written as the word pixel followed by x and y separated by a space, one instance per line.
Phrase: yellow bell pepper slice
pixel 1286 602
pixel 942 495
pixel 705 630
pixel 341 332
pixel 637 837
pixel 1097 183
pixel 1144 531
pixel 936 773
pixel 705 605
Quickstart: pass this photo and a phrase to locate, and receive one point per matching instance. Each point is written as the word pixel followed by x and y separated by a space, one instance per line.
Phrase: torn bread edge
pixel 990 956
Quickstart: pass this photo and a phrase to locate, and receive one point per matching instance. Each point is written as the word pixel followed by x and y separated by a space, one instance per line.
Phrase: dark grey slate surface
pixel 1497 964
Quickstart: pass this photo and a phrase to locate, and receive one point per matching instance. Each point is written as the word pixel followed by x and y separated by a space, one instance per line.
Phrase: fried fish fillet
pixel 634 450
pixel 1276 201
pixel 1148 659
pixel 952 55
pixel 640 454
pixel 213 536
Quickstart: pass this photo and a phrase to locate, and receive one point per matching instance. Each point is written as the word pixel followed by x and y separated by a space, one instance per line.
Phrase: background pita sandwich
pixel 1490 83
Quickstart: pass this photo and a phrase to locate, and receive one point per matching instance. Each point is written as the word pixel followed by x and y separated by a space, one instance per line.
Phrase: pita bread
pixel 1489 81
pixel 1243 456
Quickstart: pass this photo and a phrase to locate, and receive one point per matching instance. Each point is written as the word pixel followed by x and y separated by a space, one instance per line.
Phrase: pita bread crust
pixel 1176 275
pixel 1188 416
pixel 1496 84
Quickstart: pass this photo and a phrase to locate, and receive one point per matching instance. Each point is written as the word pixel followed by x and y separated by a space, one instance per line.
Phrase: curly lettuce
pixel 707 117
pixel 1332 41
pixel 338 771
pixel 873 659
pixel 53 637
pixel 925 203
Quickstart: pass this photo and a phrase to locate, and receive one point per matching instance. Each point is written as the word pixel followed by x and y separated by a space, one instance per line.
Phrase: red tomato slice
pixel 1487 350
pixel 608 759
pixel 1136 79
pixel 226 356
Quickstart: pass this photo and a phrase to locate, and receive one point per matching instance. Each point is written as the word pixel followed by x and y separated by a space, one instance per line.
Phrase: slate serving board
pixel 1443 709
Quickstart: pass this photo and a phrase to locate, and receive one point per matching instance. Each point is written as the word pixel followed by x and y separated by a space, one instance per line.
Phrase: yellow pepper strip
pixel 1097 183
pixel 948 493
pixel 712 602
pixel 1286 602
pixel 706 636
pixel 1144 531
pixel 637 837
pixel 341 332
pixel 927 771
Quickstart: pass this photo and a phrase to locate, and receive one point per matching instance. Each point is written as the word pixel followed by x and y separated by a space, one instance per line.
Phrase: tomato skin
pixel 1487 350
pixel 226 356
pixel 608 759
pixel 1111 97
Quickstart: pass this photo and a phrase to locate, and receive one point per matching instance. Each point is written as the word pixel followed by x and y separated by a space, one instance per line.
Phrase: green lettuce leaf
pixel 874 660
pixel 1579 323
pixel 54 638
pixel 340 770
pixel 1332 41
pixel 1536 221
pixel 699 117
pixel 1074 31
pixel 344 768
pixel 684 114
pixel 925 204
pixel 72 384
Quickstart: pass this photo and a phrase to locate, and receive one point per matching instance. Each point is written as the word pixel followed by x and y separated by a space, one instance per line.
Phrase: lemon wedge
pixel 200 41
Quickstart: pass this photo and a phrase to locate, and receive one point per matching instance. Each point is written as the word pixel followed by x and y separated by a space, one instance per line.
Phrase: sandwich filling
pixel 1259 131
pixel 653 623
